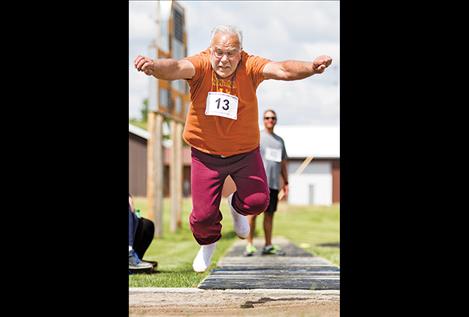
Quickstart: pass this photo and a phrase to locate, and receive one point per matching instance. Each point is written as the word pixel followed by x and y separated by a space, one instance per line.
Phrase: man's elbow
pixel 281 75
pixel 291 75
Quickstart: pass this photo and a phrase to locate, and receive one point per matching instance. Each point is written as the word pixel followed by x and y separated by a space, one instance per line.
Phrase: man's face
pixel 270 120
pixel 225 54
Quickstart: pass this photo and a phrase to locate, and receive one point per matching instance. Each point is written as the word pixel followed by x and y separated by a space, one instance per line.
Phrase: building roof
pixel 139 131
pixel 186 152
pixel 144 134
pixel 303 141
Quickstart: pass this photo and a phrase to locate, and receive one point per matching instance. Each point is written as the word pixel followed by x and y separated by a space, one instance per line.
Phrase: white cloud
pixel 138 91
pixel 141 20
pixel 320 48
pixel 277 30
pixel 267 23
pixel 300 102
pixel 141 33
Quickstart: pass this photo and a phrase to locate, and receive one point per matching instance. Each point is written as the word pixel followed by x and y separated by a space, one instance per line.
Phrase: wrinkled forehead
pixel 225 41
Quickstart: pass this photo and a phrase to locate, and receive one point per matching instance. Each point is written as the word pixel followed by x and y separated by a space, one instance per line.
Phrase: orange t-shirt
pixel 219 135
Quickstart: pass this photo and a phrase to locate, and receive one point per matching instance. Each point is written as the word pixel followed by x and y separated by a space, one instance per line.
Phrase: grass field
pixel 313 228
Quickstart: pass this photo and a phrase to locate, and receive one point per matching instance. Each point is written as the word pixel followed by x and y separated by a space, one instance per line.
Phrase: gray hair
pixel 230 29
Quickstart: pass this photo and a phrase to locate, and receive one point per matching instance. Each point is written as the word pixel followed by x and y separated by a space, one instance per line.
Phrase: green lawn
pixel 138 123
pixel 309 227
pixel 313 228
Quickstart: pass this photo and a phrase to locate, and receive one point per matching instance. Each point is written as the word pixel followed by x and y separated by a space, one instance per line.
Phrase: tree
pixel 142 122
pixel 144 111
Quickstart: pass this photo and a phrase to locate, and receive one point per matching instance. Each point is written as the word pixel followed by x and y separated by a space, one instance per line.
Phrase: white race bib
pixel 273 154
pixel 221 104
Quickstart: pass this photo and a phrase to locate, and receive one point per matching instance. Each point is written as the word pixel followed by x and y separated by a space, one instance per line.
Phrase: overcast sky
pixel 277 30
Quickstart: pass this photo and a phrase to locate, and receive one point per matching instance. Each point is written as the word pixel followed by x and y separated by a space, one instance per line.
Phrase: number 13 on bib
pixel 222 105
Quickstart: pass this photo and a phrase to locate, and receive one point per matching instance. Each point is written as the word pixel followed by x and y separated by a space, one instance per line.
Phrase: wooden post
pixel 176 176
pixel 155 171
pixel 172 176
pixel 179 172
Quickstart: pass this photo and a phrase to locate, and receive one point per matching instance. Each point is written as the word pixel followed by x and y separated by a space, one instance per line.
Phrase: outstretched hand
pixel 321 63
pixel 144 64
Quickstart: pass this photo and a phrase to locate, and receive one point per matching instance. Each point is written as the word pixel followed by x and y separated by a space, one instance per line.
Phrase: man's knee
pixel 257 202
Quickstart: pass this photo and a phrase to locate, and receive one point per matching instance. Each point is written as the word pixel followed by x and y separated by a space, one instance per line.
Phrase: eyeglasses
pixel 267 118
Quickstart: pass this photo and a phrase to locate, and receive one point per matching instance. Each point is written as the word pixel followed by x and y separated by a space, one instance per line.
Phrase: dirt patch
pixel 231 303
pixel 310 310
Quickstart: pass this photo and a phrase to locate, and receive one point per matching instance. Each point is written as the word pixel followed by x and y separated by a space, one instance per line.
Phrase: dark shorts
pixel 273 200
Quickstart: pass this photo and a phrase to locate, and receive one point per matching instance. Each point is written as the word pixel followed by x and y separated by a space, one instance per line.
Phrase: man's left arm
pixel 294 70
pixel 284 173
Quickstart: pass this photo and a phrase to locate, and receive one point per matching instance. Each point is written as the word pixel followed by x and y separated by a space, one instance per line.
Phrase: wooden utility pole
pixel 155 143
pixel 155 171
pixel 180 172
pixel 176 169
pixel 163 96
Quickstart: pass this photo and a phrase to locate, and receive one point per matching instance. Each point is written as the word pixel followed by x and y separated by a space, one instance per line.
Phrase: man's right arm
pixel 167 69
pixel 294 70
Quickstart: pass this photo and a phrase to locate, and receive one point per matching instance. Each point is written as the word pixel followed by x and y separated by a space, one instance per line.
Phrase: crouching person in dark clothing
pixel 141 232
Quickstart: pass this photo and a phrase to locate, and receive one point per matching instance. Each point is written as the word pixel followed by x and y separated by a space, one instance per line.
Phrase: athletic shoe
pixel 136 264
pixel 272 249
pixel 153 263
pixel 250 250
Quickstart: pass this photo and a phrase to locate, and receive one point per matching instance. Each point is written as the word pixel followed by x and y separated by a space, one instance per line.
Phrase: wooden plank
pixel 269 284
pixel 172 178
pixel 175 179
pixel 155 171
pixel 268 268
pixel 261 278
pixel 273 269
pixel 260 281
pixel 276 259
pixel 272 278
pixel 273 272
pixel 179 173
pixel 272 261
pixel 289 249
pixel 277 266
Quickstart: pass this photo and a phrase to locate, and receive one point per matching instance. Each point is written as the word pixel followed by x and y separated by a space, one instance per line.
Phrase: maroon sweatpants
pixel 208 174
